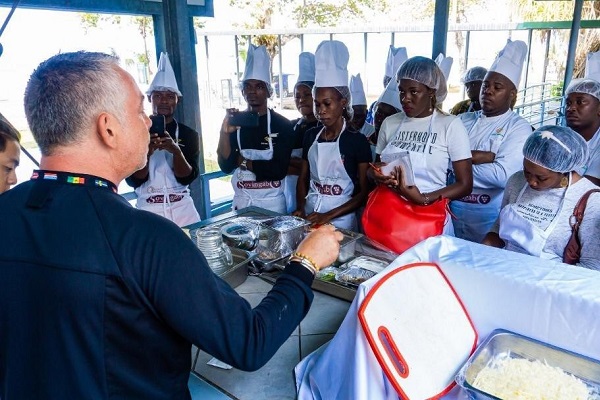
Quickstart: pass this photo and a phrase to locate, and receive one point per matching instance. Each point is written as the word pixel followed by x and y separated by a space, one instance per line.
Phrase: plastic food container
pixel 327 274
pixel 348 245
pixel 360 269
pixel 501 345
pixel 279 237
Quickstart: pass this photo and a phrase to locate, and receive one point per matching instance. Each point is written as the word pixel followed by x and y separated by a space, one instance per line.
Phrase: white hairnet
pixel 473 74
pixel 424 70
pixel 346 94
pixel 557 148
pixel 586 85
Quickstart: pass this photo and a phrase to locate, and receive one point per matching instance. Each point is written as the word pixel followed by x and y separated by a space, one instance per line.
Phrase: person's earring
pixel 431 104
pixel 564 181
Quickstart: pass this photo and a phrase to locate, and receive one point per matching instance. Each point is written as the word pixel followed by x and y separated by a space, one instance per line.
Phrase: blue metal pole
pixel 440 27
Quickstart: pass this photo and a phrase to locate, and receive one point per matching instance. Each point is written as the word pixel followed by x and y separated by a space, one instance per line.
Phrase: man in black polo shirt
pixel 100 300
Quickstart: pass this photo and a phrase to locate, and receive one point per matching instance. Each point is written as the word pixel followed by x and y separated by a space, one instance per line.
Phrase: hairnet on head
pixel 308 84
pixel 424 70
pixel 473 74
pixel 557 148
pixel 588 86
pixel 346 94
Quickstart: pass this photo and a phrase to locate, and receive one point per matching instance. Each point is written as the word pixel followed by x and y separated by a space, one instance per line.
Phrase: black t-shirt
pixel 300 129
pixel 354 149
pixel 256 138
pixel 189 140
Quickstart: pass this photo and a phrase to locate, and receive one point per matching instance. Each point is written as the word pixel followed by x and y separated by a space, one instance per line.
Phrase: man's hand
pixel 226 129
pixel 162 143
pixel 322 245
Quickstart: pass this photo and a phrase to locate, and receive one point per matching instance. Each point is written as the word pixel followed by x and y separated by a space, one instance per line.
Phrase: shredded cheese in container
pixel 518 378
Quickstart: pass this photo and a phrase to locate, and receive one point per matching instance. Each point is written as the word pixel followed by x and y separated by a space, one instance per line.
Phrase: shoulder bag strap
pixel 577 216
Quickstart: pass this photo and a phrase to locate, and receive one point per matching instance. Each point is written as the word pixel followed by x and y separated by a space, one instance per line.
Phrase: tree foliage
pixel 588 40
pixel 143 24
pixel 303 14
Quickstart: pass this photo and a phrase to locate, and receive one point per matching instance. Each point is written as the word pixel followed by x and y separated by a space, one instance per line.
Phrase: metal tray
pixel 502 343
pixel 237 274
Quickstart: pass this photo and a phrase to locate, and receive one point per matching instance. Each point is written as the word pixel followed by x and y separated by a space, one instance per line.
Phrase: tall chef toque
pixel 164 80
pixel 258 64
pixel 391 95
pixel 445 64
pixel 306 67
pixel 357 91
pixel 509 61
pixel 396 56
pixel 592 66
pixel 591 83
pixel 331 64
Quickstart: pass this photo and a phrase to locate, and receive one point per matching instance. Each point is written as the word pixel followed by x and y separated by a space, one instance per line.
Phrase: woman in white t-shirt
pixel 434 140
pixel 539 201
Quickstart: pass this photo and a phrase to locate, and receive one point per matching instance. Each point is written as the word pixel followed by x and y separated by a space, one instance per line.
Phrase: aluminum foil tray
pixel 502 343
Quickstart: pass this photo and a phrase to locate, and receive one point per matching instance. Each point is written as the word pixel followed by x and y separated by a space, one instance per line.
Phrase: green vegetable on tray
pixel 327 274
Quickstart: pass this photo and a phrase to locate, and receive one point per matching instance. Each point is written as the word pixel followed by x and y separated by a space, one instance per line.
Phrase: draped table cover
pixel 546 300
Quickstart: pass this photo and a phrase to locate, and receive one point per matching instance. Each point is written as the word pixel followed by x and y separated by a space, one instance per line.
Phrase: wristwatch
pixel 244 165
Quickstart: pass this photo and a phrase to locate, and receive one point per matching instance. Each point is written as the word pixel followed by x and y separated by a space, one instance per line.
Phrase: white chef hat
pixel 258 64
pixel 306 67
pixel 592 66
pixel 396 56
pixel 331 64
pixel 509 61
pixel 391 95
pixel 164 80
pixel 445 64
pixel 357 90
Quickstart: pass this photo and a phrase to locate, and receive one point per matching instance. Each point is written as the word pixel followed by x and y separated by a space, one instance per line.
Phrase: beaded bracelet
pixel 306 261
pixel 426 197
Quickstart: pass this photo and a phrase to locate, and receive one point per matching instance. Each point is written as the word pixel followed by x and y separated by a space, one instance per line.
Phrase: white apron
pixel 420 168
pixel 330 185
pixel 250 192
pixel 162 194
pixel 477 212
pixel 522 236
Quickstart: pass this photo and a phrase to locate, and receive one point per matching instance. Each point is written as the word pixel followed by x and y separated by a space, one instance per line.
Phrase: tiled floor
pixel 276 379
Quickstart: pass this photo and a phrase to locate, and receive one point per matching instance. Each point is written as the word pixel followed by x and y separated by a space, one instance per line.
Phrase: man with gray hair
pixel 257 153
pixel 100 300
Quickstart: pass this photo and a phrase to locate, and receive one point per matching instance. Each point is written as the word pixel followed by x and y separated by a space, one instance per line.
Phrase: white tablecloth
pixel 549 301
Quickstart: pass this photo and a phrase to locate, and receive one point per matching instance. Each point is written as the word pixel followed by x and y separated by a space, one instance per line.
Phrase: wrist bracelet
pixel 306 261
pixel 426 197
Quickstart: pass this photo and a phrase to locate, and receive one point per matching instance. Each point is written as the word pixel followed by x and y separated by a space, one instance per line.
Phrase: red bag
pixel 398 224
